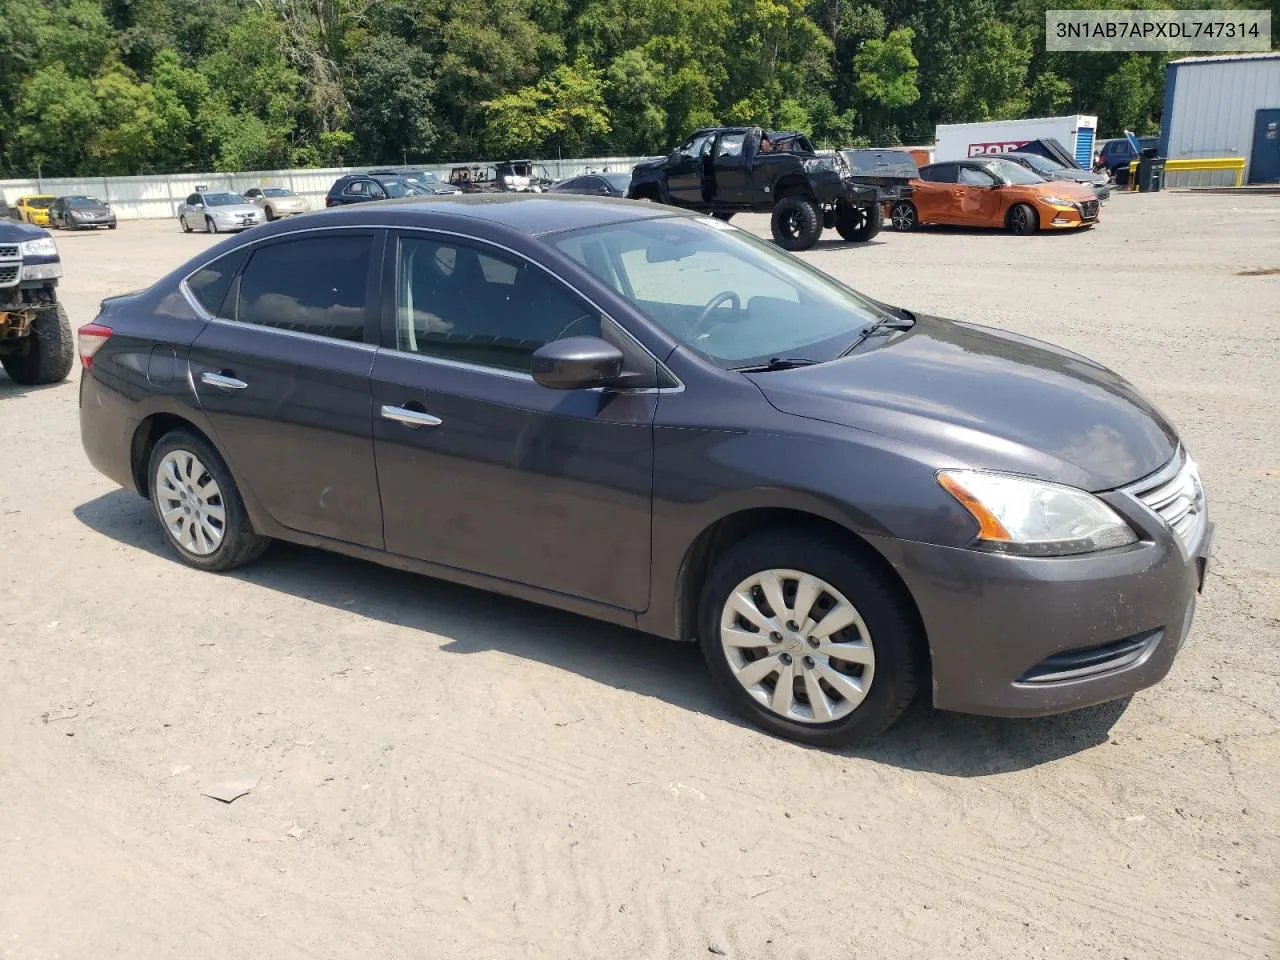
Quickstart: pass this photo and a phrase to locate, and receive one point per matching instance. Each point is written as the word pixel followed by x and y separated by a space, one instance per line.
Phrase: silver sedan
pixel 216 212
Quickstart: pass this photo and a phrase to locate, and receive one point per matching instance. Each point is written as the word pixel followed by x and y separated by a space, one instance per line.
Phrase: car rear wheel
pixel 210 225
pixel 46 354
pixel 198 505
pixel 859 224
pixel 796 223
pixel 809 640
pixel 1022 219
pixel 903 215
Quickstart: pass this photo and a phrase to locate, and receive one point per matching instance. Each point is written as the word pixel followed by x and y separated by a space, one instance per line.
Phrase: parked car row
pixel 73 212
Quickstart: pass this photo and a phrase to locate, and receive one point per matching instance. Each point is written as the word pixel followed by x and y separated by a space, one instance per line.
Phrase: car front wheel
pixel 810 639
pixel 796 223
pixel 1022 219
pixel 210 225
pixel 198 505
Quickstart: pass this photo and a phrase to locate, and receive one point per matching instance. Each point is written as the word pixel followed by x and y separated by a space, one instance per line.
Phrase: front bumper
pixel 1068 217
pixel 1020 636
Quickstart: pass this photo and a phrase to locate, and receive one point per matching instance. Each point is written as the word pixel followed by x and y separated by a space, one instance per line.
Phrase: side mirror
pixel 577 363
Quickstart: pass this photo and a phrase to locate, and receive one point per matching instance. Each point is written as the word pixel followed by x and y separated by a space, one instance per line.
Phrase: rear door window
pixel 209 284
pixel 316 285
pixel 940 173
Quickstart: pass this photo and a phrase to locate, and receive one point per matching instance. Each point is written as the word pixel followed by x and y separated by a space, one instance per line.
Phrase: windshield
pixel 726 294
pixel 276 192
pixel 400 188
pixel 83 202
pixel 619 181
pixel 1010 172
pixel 425 178
pixel 39 203
pixel 1040 164
pixel 223 199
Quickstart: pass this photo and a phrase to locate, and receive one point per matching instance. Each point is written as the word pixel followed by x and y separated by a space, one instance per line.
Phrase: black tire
pixel 724 215
pixel 892 625
pixel 182 221
pixel 240 544
pixel 269 214
pixel 904 216
pixel 111 226
pixel 859 224
pixel 1022 219
pixel 48 352
pixel 796 223
pixel 210 225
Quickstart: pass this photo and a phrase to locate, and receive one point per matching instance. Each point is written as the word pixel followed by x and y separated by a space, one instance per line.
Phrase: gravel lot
pixel 448 774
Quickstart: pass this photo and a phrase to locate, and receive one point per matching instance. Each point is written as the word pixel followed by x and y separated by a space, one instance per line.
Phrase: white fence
pixel 157 197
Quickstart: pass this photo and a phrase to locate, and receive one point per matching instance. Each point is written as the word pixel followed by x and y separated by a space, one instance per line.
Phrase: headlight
pixel 44 247
pixel 41 271
pixel 1057 202
pixel 1034 518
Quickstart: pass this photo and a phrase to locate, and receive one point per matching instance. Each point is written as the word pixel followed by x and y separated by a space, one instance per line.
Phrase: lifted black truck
pixel 36 344
pixel 728 170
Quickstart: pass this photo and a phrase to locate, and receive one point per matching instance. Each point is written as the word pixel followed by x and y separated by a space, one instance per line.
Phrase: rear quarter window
pixel 210 284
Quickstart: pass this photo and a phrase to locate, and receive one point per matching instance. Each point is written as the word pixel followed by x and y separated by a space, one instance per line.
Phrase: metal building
pixel 1223 107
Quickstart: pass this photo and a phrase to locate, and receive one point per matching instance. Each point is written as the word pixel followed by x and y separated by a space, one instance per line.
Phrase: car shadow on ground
pixel 10 388
pixel 473 621
pixel 942 230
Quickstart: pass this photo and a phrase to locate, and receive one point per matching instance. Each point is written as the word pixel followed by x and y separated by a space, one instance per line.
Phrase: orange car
pixel 993 193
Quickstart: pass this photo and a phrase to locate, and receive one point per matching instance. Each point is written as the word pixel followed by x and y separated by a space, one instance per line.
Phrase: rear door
pixel 932 195
pixel 480 468
pixel 283 375
pixel 729 169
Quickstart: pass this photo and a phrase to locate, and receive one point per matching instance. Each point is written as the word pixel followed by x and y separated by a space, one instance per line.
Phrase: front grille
pixel 1089 209
pixel 9 274
pixel 9 252
pixel 1091 661
pixel 1174 493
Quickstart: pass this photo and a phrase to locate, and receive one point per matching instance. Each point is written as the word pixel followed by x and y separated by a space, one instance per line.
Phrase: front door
pixel 685 170
pixel 284 379
pixel 1264 159
pixel 482 469
pixel 978 200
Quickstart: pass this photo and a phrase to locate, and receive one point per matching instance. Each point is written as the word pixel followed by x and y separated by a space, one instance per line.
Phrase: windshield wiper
pixel 905 322
pixel 777 363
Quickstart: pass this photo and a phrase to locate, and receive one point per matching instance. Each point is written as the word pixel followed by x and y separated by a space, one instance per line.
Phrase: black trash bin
pixel 1150 171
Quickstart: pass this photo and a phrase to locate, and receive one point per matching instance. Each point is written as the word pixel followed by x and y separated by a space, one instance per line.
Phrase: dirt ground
pixel 448 774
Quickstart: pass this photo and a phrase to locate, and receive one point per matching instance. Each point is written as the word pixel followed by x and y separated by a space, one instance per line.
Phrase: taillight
pixel 328 201
pixel 90 338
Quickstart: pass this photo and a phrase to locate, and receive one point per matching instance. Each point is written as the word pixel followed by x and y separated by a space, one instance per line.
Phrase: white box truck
pixel 956 141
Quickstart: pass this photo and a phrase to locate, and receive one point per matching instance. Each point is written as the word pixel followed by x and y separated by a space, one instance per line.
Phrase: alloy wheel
pixel 190 503
pixel 903 216
pixel 797 646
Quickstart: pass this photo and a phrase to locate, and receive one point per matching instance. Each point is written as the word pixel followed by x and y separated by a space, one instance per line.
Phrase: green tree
pixel 129 124
pixel 390 93
pixel 886 78
pixel 57 116
pixel 565 110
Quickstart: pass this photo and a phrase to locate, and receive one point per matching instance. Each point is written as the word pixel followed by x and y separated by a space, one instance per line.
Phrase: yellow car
pixel 35 209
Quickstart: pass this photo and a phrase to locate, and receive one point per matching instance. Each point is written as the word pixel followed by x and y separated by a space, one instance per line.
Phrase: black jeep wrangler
pixel 728 170
pixel 36 345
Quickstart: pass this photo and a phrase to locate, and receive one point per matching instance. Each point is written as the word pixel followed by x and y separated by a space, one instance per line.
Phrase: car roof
pixel 534 214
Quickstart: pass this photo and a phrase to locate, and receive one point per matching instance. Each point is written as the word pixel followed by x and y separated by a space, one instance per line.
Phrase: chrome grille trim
pixel 1175 495
pixel 10 252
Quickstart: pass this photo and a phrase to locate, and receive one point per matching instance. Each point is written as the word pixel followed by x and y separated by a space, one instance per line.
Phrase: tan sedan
pixel 276 202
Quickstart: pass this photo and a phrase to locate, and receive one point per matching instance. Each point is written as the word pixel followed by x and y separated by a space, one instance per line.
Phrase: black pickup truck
pixel 728 170
pixel 36 345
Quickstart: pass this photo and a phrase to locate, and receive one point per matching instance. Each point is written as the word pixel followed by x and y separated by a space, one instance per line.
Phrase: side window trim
pixel 387 290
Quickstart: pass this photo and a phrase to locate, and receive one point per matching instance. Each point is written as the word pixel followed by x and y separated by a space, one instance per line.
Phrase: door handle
pixel 222 381
pixel 410 418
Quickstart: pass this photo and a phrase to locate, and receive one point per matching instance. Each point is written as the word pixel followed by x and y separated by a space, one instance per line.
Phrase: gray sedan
pixel 216 212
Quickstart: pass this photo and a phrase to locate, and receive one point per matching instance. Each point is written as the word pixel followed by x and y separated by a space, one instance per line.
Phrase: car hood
pixel 98 208
pixel 1079 176
pixel 13 231
pixel 285 201
pixel 235 209
pixel 983 398
pixel 655 164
